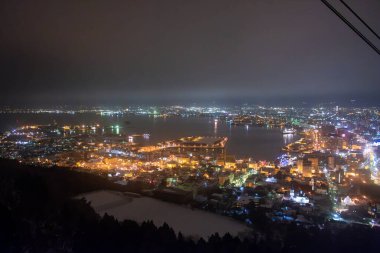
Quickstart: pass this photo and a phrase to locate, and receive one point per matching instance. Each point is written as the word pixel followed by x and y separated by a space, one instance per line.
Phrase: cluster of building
pixel 329 173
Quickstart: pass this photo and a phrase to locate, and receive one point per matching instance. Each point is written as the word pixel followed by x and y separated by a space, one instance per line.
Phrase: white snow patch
pixel 190 222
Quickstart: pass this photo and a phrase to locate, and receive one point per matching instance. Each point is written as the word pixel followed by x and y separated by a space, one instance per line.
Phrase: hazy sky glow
pixel 109 52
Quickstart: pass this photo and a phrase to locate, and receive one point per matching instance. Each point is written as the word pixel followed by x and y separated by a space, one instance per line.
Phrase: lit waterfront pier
pixel 197 144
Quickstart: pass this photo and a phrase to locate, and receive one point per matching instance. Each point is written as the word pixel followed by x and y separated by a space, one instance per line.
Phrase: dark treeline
pixel 39 214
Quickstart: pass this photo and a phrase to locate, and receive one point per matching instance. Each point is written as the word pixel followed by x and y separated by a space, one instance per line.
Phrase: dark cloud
pixel 172 51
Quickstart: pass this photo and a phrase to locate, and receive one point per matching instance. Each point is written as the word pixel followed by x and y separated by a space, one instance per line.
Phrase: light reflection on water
pixel 244 141
pixel 289 138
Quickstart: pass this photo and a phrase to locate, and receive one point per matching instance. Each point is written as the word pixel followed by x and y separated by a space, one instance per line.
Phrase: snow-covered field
pixel 189 221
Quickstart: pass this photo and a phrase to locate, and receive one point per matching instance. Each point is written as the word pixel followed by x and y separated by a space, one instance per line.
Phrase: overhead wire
pixel 358 17
pixel 353 28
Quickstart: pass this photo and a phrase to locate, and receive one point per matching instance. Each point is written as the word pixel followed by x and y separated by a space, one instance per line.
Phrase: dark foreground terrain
pixel 38 214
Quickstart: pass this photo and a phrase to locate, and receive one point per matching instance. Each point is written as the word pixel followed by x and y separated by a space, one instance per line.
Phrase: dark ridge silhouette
pixel 39 214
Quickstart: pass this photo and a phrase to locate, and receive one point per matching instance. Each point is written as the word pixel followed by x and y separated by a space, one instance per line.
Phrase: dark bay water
pixel 256 142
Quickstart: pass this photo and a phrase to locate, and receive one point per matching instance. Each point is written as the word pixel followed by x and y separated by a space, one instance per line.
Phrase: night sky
pixel 120 52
